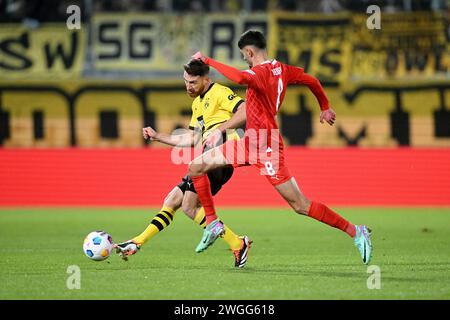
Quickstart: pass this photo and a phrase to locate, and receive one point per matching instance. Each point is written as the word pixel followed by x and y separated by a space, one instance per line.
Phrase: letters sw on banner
pixel 48 52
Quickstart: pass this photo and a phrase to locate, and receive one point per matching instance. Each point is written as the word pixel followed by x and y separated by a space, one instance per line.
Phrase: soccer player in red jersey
pixel 262 145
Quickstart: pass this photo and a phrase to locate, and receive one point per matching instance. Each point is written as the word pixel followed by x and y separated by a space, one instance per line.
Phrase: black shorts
pixel 217 178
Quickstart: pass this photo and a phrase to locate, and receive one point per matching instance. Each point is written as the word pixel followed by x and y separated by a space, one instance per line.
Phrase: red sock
pixel 203 188
pixel 324 214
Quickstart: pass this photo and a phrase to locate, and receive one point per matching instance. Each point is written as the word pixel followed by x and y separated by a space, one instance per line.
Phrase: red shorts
pixel 271 165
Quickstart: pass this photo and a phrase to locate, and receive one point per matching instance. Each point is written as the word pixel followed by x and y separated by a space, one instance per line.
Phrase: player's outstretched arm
pixel 327 114
pixel 297 75
pixel 231 73
pixel 180 140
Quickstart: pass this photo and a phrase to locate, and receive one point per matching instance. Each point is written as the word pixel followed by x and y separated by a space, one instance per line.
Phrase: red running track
pixel 142 177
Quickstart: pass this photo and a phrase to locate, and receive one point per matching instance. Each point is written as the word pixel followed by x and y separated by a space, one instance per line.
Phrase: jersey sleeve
pixel 249 77
pixel 296 75
pixel 257 77
pixel 231 73
pixel 230 101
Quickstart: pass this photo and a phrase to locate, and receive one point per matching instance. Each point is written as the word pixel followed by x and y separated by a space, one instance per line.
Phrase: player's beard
pixel 194 94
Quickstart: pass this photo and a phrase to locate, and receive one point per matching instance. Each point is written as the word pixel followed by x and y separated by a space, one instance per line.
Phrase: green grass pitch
pixel 292 258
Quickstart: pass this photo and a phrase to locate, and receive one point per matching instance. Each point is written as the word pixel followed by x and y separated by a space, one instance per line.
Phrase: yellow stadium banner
pixel 408 46
pixel 49 51
pixel 340 47
pixel 319 43
pixel 164 42
pixel 337 48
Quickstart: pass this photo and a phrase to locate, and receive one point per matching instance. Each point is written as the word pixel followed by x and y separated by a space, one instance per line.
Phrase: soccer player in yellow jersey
pixel 214 107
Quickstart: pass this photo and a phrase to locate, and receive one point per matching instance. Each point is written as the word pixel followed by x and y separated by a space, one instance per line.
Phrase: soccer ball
pixel 98 245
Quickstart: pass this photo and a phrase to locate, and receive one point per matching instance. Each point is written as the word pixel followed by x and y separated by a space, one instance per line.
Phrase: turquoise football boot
pixel 212 231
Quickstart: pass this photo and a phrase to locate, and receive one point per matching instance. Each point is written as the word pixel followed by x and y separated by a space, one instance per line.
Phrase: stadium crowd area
pixel 35 11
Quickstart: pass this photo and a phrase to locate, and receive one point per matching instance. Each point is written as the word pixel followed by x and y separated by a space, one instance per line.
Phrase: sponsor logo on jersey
pixel 231 96
pixel 276 71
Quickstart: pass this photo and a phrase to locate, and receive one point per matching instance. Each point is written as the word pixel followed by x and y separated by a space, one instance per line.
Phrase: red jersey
pixel 267 83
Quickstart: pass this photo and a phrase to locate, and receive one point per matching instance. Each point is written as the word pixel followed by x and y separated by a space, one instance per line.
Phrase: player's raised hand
pixel 149 133
pixel 329 116
pixel 213 139
pixel 199 56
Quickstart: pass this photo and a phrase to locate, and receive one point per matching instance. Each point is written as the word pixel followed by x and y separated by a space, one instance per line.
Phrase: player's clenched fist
pixel 149 133
pixel 199 56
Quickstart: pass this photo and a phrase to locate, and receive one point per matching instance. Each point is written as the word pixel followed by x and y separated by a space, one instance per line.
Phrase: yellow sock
pixel 200 218
pixel 160 221
pixel 233 240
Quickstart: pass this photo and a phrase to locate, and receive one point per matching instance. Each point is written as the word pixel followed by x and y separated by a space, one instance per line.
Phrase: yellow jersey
pixel 215 106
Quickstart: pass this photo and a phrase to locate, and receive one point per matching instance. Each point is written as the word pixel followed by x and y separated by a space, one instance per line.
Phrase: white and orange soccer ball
pixel 98 245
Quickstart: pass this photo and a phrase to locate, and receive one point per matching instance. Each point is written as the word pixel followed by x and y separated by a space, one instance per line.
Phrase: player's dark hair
pixel 196 68
pixel 252 38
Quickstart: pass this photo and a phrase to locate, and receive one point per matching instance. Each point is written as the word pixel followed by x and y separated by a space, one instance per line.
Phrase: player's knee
pixel 170 202
pixel 195 169
pixel 174 198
